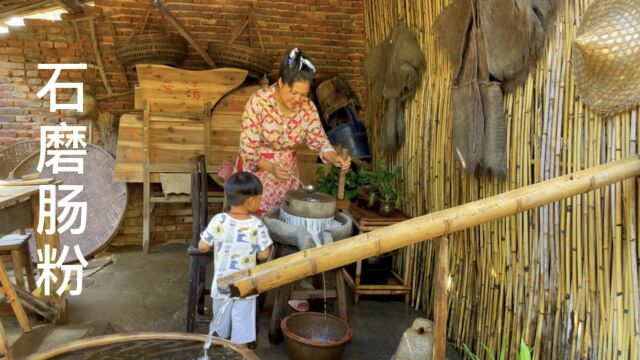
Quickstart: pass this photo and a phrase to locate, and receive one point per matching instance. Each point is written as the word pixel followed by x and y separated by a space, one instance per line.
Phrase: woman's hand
pixel 279 172
pixel 344 164
pixel 274 169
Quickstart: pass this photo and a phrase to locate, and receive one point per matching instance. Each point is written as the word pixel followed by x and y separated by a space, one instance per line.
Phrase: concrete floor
pixel 149 293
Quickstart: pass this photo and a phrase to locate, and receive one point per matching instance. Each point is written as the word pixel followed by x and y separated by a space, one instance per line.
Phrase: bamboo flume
pixel 313 261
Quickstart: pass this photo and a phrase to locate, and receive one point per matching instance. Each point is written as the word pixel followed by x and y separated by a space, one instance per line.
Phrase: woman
pixel 278 119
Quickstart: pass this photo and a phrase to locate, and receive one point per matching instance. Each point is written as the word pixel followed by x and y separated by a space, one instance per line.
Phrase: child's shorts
pixel 235 319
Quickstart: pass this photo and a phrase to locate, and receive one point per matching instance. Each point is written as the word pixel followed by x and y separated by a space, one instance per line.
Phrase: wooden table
pixel 19 209
pixel 365 221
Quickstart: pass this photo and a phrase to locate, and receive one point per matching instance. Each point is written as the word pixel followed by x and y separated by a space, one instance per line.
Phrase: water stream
pixel 324 295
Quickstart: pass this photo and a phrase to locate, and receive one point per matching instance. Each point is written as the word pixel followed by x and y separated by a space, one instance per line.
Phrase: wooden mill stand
pixel 288 292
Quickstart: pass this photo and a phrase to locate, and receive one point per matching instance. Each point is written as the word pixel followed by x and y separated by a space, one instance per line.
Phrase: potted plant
pixel 328 182
pixel 384 181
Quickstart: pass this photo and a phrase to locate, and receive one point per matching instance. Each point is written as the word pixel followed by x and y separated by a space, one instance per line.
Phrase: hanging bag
pixel 479 135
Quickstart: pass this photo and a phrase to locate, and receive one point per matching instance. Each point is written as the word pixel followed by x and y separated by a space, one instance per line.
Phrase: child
pixel 237 239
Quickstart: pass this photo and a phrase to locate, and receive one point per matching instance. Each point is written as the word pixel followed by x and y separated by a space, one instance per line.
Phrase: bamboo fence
pixel 564 277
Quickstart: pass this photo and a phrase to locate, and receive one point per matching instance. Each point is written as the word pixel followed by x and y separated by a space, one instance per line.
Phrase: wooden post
pixel 115 45
pixel 53 240
pixel 341 203
pixel 75 29
pixel 341 296
pixel 96 52
pixel 146 186
pixel 16 305
pixel 316 260
pixel 169 16
pixel 26 257
pixel 206 118
pixel 344 152
pixel 441 306
pixel 5 349
pixel 16 259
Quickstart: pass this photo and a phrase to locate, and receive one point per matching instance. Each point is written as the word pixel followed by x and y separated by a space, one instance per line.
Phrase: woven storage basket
pixel 15 154
pixel 244 57
pixel 152 48
pixel 255 60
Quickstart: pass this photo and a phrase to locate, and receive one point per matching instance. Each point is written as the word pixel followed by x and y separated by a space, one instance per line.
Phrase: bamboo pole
pixel 309 262
pixel 441 312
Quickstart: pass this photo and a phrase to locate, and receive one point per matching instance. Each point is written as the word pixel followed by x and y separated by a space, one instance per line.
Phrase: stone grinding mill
pixel 304 221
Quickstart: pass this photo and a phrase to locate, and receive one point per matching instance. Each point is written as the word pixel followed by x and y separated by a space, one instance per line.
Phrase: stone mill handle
pixel 343 174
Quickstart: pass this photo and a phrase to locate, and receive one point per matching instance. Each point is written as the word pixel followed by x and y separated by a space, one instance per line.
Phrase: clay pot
pixel 312 335
pixel 387 207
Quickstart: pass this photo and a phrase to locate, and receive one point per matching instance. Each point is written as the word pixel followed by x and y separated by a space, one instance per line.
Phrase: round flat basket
pixel 147 345
pixel 158 48
pixel 238 56
pixel 13 155
pixel 106 200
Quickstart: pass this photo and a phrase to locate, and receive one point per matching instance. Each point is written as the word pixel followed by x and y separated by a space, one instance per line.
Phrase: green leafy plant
pixel 524 352
pixel 490 355
pixel 384 180
pixel 328 182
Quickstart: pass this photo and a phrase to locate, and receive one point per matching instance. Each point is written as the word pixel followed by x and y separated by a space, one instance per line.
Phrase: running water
pixel 207 345
pixel 212 326
pixel 324 295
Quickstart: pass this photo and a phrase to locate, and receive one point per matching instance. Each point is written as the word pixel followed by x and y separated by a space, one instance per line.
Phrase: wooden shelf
pixel 365 221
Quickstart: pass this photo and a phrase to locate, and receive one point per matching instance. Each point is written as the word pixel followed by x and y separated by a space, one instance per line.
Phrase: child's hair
pixel 296 67
pixel 241 186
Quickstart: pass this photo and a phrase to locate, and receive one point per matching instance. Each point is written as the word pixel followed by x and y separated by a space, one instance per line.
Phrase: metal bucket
pixel 312 335
pixel 148 345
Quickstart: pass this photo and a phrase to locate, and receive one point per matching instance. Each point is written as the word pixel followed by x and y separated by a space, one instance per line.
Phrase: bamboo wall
pixel 564 277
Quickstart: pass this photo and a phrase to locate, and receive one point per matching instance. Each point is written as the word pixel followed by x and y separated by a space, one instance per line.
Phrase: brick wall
pixel 331 32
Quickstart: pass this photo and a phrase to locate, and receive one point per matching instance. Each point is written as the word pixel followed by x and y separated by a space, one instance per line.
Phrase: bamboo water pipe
pixel 316 260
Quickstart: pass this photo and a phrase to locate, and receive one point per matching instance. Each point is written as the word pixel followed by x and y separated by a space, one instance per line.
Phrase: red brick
pixel 17 125
pixel 8 141
pixel 8 133
pixel 10 65
pixel 11 51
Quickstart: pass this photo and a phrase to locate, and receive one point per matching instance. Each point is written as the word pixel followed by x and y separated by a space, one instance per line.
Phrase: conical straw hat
pixel 606 56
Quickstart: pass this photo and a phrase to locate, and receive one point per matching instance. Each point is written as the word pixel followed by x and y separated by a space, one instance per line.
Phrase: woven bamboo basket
pixel 255 60
pixel 152 48
pixel 15 154
pixel 146 345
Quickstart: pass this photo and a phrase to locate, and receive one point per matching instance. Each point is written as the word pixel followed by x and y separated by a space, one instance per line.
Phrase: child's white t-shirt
pixel 235 245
